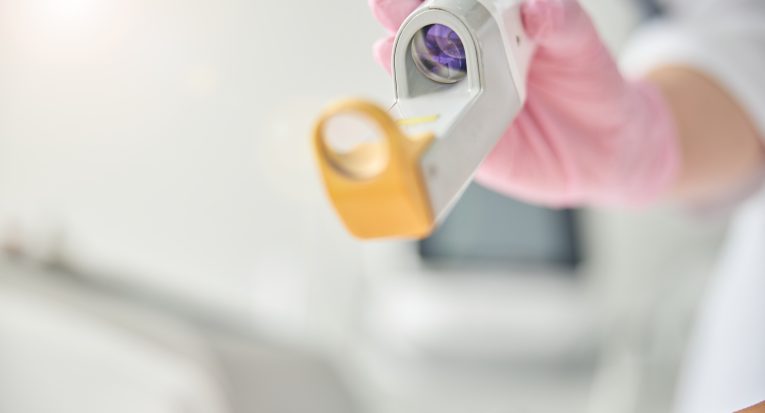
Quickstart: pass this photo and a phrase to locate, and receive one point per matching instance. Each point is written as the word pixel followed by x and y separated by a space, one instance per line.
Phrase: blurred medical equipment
pixel 72 344
pixel 459 69
pixel 64 349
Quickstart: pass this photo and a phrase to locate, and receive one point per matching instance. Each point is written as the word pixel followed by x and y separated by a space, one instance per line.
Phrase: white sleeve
pixel 723 38
pixel 725 363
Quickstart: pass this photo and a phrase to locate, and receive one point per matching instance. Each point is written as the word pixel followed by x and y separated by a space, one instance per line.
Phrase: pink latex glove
pixel 586 136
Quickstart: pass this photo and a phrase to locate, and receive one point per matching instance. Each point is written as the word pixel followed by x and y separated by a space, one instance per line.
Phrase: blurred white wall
pixel 169 142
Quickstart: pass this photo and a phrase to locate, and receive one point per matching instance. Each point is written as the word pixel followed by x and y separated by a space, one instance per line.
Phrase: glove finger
pixel 391 13
pixel 538 18
pixel 543 18
pixel 558 24
pixel 383 52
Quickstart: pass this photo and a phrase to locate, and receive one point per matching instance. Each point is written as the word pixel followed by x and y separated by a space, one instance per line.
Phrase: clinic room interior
pixel 382 206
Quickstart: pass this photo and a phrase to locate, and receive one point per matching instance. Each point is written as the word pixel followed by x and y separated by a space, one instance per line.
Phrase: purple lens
pixel 439 54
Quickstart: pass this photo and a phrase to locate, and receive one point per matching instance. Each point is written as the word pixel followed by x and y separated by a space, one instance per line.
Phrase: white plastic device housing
pixel 475 112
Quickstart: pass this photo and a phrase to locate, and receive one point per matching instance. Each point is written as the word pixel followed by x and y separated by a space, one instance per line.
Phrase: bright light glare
pixel 69 11
pixel 64 29
pixel 62 16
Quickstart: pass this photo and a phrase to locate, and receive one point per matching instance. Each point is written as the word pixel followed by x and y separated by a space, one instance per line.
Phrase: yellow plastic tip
pixel 376 187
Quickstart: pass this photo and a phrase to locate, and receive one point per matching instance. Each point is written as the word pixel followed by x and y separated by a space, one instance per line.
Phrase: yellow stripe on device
pixel 417 121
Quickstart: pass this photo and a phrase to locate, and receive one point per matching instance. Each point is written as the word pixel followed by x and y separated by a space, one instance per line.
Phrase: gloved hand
pixel 586 136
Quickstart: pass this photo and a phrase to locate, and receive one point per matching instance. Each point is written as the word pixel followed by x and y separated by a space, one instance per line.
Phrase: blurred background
pixel 167 246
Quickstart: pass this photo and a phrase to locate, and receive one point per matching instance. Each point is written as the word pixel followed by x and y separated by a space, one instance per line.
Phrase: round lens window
pixel 439 54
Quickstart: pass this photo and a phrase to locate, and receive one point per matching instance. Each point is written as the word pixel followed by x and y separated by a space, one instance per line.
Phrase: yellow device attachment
pixel 374 183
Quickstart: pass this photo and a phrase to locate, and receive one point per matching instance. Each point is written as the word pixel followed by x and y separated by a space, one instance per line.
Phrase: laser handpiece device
pixel 459 70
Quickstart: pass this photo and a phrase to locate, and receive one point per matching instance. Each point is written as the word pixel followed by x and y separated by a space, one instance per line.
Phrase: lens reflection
pixel 439 54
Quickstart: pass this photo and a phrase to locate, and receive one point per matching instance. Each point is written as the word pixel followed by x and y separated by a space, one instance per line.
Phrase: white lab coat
pixel 725 366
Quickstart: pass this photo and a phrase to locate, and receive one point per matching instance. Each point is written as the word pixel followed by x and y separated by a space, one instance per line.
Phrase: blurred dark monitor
pixel 487 228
